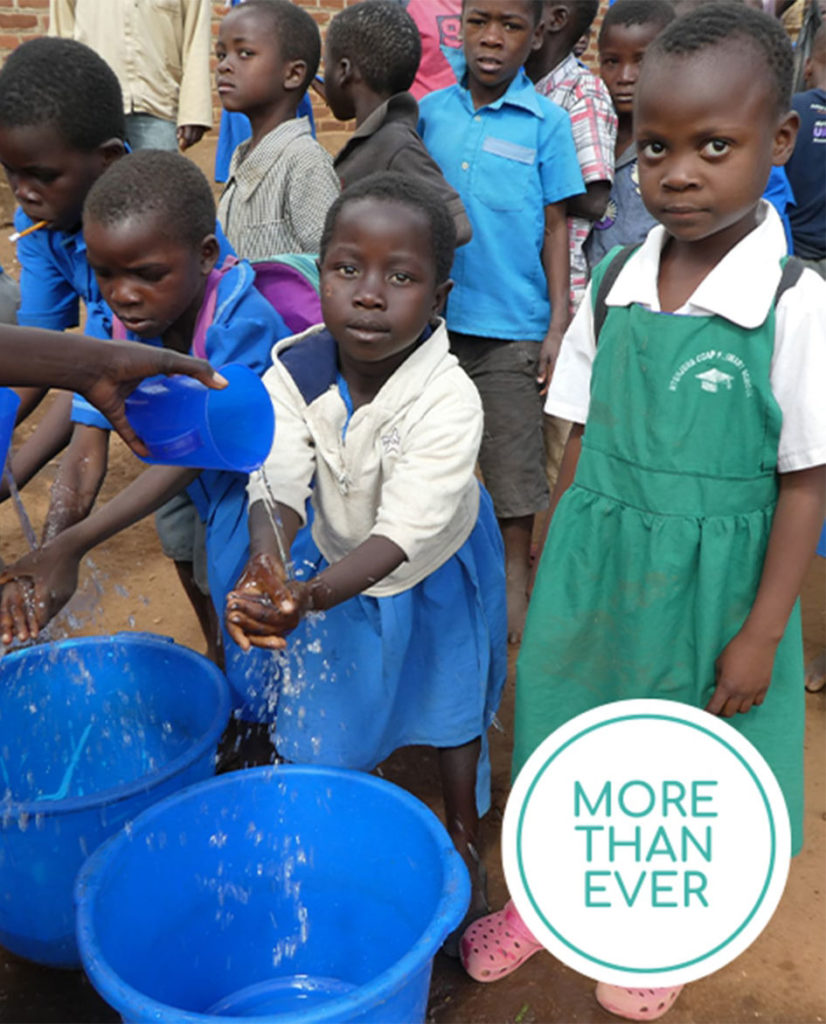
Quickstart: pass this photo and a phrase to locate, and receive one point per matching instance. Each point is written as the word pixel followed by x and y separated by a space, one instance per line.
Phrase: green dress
pixel 656 550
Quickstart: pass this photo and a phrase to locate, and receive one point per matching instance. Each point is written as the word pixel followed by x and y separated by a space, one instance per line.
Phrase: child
pixel 371 55
pixel 281 181
pixel 559 76
pixel 154 257
pixel 61 126
pixel 379 428
pixel 510 155
pixel 807 167
pixel 627 30
pixel 693 492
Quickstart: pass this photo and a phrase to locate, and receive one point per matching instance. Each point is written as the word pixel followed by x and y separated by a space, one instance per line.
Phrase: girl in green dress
pixel 691 493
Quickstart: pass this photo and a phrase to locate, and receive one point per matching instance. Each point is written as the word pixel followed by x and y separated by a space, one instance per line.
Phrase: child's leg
pixel 517 534
pixel 457 767
pixel 204 611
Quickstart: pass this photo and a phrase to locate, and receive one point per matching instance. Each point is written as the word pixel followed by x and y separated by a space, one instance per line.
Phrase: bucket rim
pixel 11 809
pixel 263 410
pixel 454 898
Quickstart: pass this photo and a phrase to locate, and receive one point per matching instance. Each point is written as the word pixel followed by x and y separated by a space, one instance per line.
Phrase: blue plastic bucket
pixel 297 894
pixel 184 423
pixel 92 731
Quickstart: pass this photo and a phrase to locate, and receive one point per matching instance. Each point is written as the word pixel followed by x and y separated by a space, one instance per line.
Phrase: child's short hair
pixel 581 14
pixel 297 33
pixel 715 24
pixel 158 183
pixel 64 84
pixel 392 187
pixel 537 9
pixel 636 12
pixel 382 41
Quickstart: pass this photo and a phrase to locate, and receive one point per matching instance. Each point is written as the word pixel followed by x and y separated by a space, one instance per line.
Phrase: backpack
pixel 288 282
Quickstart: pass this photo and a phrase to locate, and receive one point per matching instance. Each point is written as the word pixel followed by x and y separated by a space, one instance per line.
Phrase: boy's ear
pixel 208 255
pixel 295 71
pixel 440 296
pixel 785 136
pixel 555 17
pixel 539 31
pixel 343 71
pixel 111 150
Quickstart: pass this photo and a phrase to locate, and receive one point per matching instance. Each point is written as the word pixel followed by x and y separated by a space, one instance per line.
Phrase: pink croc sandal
pixel 636 1003
pixel 495 945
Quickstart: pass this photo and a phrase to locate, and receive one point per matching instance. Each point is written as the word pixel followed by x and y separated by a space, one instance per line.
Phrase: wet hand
pixel 264 605
pixel 34 590
pixel 743 673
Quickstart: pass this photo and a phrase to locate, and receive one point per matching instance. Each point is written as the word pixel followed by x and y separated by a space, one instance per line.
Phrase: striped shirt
pixel 278 193
pixel 594 124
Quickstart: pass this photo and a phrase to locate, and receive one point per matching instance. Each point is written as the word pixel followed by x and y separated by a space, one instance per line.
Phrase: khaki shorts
pixel 512 456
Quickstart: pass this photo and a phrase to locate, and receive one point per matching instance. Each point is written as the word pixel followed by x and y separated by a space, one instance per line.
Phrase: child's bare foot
pixel 479 905
pixel 816 673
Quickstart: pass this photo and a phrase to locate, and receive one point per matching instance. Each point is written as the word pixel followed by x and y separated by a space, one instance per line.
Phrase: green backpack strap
pixel 602 281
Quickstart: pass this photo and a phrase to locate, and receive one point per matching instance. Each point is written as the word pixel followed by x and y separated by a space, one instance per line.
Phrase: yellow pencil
pixel 32 227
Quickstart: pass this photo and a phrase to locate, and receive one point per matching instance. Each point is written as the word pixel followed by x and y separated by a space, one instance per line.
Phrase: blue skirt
pixel 426 666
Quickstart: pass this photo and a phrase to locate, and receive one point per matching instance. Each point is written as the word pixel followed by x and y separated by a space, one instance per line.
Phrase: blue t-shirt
pixel 508 160
pixel 54 276
pixel 806 171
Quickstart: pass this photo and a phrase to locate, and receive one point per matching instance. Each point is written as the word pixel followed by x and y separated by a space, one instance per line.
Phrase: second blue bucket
pixel 295 894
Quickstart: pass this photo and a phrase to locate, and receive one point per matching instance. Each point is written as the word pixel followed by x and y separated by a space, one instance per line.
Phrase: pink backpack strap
pixel 207 310
pixel 118 330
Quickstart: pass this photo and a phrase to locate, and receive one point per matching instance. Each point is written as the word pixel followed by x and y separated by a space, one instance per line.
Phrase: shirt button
pixel 465 165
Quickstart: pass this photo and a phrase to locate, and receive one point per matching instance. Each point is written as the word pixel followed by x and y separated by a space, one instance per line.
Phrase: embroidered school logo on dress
pixel 713 378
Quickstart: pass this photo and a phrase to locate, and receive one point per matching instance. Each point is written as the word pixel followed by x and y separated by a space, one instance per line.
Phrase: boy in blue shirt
pixel 510 155
pixel 154 258
pixel 61 126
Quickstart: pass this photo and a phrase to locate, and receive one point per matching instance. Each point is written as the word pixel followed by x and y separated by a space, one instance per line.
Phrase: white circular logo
pixel 646 843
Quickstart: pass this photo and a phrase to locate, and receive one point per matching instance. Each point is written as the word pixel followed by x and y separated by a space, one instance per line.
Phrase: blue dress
pixel 424 666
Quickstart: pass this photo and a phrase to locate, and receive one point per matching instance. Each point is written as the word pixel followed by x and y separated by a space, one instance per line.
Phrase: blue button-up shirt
pixel 508 160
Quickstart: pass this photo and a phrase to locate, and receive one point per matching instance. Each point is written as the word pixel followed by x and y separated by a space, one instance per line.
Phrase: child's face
pixel 148 281
pixel 707 135
pixel 49 178
pixel 621 50
pixel 378 287
pixel 250 73
pixel 497 36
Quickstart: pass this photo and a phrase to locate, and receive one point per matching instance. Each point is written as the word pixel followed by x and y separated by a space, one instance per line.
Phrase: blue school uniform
pixel 508 160
pixel 244 329
pixel 54 276
pixel 425 665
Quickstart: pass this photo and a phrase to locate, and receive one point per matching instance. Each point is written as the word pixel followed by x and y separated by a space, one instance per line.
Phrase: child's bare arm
pixel 79 478
pixel 557 263
pixel 38 585
pixel 30 398
pixel 265 605
pixel 744 669
pixel 51 436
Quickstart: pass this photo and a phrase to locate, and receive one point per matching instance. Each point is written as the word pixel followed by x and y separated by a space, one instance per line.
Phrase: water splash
pixel 25 522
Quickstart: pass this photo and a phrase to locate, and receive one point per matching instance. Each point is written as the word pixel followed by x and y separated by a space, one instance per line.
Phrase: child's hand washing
pixel 265 605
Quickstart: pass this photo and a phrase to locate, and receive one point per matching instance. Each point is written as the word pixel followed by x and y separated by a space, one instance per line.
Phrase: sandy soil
pixel 781 979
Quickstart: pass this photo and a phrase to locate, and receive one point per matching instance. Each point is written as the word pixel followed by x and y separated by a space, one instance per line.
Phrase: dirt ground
pixel 781 979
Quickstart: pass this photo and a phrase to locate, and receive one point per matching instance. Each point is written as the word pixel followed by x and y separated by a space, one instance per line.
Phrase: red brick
pixel 18 21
